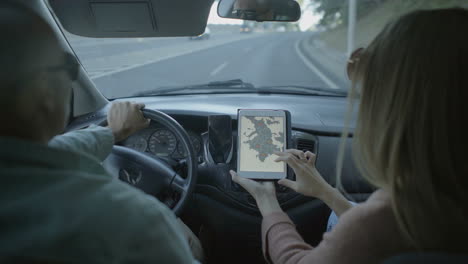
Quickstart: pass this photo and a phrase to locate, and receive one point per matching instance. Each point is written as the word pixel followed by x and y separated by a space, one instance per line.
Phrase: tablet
pixel 261 133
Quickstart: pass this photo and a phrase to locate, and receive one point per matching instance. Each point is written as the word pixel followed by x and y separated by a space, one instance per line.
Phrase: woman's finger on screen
pixel 299 154
pixel 290 159
pixel 280 153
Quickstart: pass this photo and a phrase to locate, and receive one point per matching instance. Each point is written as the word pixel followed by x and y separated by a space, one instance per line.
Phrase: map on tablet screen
pixel 260 137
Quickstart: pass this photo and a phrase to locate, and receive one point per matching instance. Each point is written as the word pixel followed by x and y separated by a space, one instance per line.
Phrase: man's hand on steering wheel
pixel 126 118
pixel 155 176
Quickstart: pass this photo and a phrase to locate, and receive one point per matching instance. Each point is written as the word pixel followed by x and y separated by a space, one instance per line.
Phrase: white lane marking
pixel 312 67
pixel 138 65
pixel 218 69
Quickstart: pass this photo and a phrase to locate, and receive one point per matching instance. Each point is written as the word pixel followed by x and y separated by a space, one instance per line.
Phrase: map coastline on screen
pixel 259 138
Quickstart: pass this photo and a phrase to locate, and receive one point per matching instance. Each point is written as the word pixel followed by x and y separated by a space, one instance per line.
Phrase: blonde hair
pixel 409 141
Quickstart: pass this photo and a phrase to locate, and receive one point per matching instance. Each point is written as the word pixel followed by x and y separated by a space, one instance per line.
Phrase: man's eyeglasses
pixel 353 61
pixel 70 66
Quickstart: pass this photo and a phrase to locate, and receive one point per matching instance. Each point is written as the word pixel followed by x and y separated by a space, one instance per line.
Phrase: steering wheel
pixel 151 174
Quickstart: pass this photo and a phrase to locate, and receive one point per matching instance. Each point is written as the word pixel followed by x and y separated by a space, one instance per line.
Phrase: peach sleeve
pixel 280 240
pixel 366 233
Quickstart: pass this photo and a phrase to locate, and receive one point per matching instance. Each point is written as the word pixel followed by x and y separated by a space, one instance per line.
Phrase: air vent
pixel 306 145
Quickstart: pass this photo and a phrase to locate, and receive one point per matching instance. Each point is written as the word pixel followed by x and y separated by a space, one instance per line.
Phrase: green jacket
pixel 57 203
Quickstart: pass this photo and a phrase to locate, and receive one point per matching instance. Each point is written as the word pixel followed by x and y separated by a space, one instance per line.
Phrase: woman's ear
pixel 352 63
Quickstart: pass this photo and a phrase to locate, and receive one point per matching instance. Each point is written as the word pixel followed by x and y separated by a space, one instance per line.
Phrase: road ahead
pixel 124 67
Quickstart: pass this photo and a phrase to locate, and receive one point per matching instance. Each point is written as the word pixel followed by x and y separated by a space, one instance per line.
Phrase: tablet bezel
pixel 261 113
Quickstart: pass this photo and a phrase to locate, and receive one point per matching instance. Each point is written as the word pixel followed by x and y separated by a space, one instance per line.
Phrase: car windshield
pixel 304 57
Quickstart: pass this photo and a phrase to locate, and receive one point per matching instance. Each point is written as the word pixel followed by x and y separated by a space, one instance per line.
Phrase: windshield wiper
pixel 230 86
pixel 239 86
pixel 303 90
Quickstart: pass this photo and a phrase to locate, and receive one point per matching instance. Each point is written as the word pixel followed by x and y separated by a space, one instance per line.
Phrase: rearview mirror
pixel 260 10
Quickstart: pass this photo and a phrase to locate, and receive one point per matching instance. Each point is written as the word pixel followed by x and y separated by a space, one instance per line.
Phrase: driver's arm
pixel 124 119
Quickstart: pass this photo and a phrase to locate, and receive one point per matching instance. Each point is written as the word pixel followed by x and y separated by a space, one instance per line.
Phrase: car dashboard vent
pixel 306 145
pixel 305 142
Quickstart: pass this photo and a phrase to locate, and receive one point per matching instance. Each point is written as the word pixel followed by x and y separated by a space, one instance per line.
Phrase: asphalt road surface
pixel 123 67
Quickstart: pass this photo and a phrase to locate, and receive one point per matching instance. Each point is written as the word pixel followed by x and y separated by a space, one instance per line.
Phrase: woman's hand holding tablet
pixel 263 192
pixel 262 133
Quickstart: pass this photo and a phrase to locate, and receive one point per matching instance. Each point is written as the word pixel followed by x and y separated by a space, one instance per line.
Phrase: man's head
pixel 263 9
pixel 35 87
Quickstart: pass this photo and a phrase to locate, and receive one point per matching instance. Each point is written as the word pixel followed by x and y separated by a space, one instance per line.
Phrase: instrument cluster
pixel 162 143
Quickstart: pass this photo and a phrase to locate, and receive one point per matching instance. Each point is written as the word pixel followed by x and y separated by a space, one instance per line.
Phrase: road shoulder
pixel 331 63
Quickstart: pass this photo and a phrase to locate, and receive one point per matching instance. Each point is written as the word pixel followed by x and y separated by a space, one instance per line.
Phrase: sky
pixel 308 19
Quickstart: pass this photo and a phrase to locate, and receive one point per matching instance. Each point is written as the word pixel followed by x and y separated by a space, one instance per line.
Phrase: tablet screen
pixel 259 138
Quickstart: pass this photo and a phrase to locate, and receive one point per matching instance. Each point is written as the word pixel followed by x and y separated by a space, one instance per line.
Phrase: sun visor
pixel 132 18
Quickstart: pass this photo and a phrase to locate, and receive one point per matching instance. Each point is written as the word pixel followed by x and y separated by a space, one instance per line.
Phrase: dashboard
pixel 161 142
pixel 317 122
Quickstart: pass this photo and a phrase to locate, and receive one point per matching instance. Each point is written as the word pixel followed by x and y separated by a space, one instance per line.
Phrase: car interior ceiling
pixel 223 215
